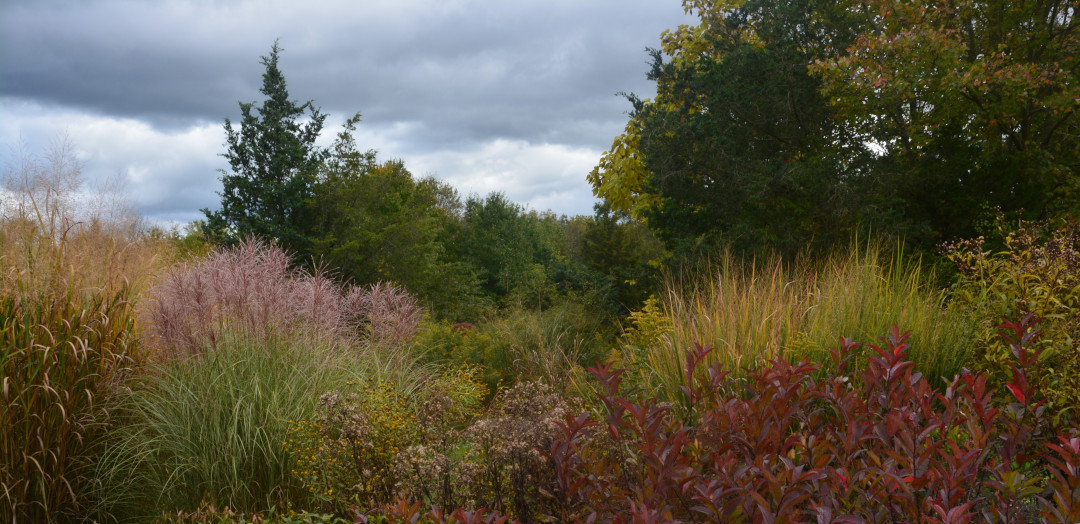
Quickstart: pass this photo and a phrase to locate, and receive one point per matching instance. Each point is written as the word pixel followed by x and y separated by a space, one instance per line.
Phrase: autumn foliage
pixel 781 446
pixel 784 447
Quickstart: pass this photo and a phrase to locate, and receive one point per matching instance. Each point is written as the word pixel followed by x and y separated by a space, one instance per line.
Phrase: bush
pixel 344 456
pixel 549 345
pixel 366 449
pixel 782 446
pixel 1038 271
pixel 363 447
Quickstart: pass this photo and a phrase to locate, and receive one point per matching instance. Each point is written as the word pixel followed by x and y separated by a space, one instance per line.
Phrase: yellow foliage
pixel 1037 272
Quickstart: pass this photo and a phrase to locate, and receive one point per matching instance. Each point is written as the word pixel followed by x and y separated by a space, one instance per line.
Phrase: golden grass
pixel 755 312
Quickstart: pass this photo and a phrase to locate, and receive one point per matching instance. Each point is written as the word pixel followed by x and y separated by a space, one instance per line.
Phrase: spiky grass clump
pixel 752 313
pixel 213 429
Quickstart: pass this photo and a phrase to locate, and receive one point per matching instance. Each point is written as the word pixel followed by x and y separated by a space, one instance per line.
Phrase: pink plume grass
pixel 252 287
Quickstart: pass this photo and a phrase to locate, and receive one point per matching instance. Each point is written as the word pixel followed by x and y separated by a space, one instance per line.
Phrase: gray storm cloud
pixel 433 80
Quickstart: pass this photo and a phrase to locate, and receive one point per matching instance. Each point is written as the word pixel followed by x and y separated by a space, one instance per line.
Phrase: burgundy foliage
pixel 782 446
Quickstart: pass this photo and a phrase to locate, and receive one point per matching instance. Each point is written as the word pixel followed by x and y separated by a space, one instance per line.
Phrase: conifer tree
pixel 274 164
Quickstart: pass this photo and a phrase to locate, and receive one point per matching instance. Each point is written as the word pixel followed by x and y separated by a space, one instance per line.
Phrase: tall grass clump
pixel 63 353
pixel 71 264
pixel 213 429
pixel 253 288
pixel 243 346
pixel 754 312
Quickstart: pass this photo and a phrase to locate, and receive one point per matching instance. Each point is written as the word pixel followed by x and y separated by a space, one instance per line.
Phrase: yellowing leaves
pixel 620 175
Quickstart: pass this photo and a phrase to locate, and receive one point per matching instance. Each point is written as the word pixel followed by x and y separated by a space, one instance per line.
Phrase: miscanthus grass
pixel 241 346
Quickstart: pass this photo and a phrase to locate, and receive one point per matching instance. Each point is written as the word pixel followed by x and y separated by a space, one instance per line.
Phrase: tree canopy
pixel 780 124
pixel 972 104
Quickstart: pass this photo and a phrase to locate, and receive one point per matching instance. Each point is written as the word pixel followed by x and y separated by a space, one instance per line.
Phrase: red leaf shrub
pixel 782 446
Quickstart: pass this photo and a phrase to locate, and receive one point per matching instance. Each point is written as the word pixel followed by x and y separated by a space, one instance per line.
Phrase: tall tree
pixel 274 163
pixel 972 104
pixel 739 145
pixel 501 242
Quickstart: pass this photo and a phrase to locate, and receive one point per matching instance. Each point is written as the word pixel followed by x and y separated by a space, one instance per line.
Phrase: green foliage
pixel 519 344
pixel 971 104
pixel 273 165
pixel 376 222
pixel 1038 272
pixel 187 242
pixel 500 240
pixel 345 453
pixel 738 145
pixel 782 125
pixel 648 326
pixel 625 251
pixel 447 344
pixel 540 260
pixel 210 429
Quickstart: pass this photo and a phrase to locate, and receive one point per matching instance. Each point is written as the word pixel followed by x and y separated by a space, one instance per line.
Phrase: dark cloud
pixel 469 70
pixel 428 76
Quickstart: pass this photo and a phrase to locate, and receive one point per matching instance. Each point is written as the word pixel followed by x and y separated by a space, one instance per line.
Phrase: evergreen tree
pixel 274 164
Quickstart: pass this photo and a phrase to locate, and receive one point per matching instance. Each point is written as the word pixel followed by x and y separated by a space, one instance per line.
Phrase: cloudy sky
pixel 490 95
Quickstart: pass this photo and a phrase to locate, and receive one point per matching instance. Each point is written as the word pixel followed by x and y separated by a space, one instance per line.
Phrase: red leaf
pixel 1017 393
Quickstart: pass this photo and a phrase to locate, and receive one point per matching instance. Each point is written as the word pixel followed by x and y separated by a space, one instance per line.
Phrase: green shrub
pixel 1038 271
pixel 519 344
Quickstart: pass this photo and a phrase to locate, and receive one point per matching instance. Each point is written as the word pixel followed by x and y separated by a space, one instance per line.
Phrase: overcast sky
pixel 493 95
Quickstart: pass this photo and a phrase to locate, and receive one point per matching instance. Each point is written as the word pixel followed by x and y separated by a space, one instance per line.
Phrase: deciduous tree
pixel 738 143
pixel 972 104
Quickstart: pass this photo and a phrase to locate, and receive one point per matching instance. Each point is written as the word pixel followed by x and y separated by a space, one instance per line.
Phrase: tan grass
pixel 758 311
pixel 71 266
